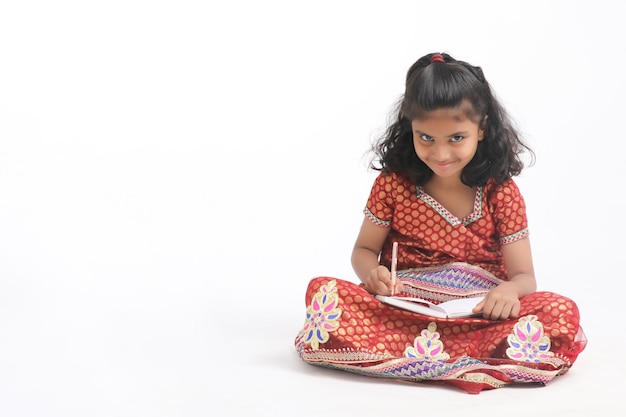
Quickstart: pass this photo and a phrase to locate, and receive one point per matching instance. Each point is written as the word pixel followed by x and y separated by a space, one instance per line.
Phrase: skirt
pixel 347 328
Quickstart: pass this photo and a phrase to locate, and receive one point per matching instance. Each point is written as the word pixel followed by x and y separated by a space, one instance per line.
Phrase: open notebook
pixel 460 307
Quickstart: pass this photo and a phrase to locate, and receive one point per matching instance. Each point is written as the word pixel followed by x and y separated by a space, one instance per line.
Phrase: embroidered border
pixel 514 237
pixel 448 281
pixel 451 218
pixel 376 220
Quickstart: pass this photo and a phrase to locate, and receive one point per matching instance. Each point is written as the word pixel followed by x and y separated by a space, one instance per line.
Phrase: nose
pixel 440 152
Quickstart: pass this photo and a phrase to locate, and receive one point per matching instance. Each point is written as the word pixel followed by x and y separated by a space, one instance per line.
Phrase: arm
pixel 365 255
pixel 503 302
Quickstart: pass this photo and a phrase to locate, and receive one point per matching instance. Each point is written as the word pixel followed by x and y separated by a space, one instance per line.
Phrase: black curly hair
pixel 449 83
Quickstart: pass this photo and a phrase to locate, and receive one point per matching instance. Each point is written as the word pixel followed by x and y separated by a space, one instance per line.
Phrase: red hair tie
pixel 437 58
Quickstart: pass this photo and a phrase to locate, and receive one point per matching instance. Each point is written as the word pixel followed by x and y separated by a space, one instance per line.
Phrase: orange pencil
pixel 394 265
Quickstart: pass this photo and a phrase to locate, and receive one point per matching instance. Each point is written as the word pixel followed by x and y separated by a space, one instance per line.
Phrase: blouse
pixel 429 235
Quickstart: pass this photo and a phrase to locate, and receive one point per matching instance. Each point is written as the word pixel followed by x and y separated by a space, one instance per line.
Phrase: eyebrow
pixel 461 133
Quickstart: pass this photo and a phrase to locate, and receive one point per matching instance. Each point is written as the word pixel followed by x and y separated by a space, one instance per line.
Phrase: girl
pixel 445 195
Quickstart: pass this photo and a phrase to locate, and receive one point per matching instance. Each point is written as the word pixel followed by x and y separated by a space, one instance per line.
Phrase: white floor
pixel 172 174
pixel 180 349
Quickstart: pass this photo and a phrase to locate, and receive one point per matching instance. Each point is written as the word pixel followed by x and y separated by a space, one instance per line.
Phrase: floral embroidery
pixel 322 316
pixel 427 346
pixel 527 342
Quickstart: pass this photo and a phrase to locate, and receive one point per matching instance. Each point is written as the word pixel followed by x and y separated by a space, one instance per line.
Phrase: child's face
pixel 446 140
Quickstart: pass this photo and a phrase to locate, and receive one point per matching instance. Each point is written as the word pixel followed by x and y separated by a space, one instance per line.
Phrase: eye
pixel 426 138
pixel 456 138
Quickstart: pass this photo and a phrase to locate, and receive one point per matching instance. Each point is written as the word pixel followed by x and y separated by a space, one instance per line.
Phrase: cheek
pixel 420 151
pixel 417 149
pixel 418 144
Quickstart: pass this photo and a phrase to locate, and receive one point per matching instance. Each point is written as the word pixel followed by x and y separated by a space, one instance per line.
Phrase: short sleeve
pixel 509 212
pixel 380 204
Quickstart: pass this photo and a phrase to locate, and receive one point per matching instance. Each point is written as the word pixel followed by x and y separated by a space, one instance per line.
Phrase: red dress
pixel 441 257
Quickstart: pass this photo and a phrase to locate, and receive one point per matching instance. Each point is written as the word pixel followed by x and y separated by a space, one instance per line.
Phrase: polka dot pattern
pixel 429 235
pixel 367 324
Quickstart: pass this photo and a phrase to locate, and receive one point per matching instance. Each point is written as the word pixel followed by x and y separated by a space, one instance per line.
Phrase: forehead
pixel 454 114
pixel 461 113
pixel 443 121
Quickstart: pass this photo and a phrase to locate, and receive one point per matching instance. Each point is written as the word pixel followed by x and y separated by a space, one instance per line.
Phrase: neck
pixel 448 183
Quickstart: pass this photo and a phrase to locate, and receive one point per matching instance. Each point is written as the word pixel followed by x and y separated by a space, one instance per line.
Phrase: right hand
pixel 378 281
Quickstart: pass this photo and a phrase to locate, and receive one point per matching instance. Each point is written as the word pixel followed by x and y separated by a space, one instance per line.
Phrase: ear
pixel 482 128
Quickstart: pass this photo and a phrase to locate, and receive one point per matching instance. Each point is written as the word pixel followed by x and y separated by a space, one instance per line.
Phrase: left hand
pixel 501 303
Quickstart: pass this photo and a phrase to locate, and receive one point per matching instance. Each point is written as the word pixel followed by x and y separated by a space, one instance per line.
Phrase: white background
pixel 173 173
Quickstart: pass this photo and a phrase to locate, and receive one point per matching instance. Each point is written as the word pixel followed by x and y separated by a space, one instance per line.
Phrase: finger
pixel 506 312
pixel 496 312
pixel 384 277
